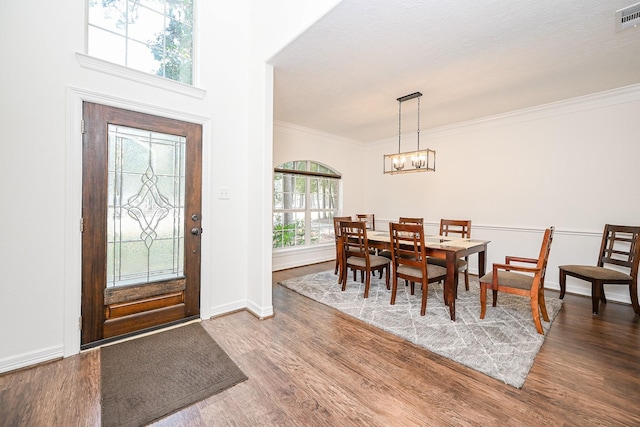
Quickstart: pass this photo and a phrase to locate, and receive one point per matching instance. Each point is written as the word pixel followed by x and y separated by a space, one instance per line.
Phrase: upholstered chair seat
pixel 599 273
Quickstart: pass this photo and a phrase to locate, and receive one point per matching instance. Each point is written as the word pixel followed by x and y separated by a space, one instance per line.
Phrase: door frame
pixel 73 204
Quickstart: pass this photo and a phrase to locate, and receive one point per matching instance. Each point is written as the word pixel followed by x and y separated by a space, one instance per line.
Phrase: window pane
pixel 146 25
pixel 324 193
pixel 139 57
pixel 288 229
pixel 157 5
pixel 107 46
pixel 322 227
pixel 110 16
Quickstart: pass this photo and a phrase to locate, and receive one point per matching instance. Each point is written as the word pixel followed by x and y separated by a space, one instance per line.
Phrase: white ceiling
pixel 470 59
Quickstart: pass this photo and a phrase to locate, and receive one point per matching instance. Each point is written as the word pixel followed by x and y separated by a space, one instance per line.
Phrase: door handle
pixel 196 231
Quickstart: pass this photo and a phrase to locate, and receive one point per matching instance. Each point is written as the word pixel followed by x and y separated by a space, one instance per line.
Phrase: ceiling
pixel 470 59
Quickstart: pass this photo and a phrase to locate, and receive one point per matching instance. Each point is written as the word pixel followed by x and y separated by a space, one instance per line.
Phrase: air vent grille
pixel 628 17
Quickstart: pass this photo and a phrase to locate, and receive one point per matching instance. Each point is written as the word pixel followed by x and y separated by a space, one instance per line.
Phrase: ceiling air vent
pixel 628 17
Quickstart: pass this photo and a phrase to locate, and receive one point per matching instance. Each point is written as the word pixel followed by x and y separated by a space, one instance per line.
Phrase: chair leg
pixel 425 291
pixel 543 305
pixel 343 276
pixel 563 283
pixel 394 288
pixel 367 283
pixel 466 278
pixel 483 299
pixel 633 291
pixel 596 291
pixel 495 297
pixel 388 273
pixel 536 315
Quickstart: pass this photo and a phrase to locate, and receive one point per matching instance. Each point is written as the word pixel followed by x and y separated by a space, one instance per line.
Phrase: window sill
pixel 117 70
pixel 308 248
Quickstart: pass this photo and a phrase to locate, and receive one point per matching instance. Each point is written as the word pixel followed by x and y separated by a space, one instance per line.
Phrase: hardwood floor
pixel 310 365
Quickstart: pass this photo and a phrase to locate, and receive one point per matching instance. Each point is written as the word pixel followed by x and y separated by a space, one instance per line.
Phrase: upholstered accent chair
pixel 520 280
pixel 356 255
pixel 617 265
pixel 408 255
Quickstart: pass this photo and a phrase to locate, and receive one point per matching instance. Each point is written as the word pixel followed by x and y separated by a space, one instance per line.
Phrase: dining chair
pixel 463 229
pixel 402 220
pixel 409 259
pixel 620 250
pixel 356 255
pixel 520 280
pixel 410 220
pixel 369 219
pixel 336 232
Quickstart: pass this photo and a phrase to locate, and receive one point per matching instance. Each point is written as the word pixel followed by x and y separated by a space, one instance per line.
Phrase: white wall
pixel 341 154
pixel 39 257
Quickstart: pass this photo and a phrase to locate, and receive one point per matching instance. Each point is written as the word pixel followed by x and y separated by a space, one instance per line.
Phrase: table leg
pixel 451 284
pixel 482 263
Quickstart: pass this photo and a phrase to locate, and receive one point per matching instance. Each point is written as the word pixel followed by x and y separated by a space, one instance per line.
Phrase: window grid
pixel 116 27
pixel 304 204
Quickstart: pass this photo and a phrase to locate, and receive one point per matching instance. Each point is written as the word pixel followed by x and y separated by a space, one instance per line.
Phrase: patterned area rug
pixel 503 345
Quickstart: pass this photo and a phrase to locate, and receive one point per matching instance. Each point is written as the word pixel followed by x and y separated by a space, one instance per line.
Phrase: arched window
pixel 306 197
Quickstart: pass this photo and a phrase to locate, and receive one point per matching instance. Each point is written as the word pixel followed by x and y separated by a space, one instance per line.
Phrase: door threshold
pixel 133 335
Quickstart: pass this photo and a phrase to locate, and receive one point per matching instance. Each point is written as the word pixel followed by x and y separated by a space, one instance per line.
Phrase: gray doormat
pixel 147 378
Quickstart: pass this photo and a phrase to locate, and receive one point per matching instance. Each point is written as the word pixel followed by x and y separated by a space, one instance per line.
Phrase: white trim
pixel 283 259
pixel 291 129
pixel 617 96
pixel 127 73
pixel 260 312
pixel 32 358
pixel 73 204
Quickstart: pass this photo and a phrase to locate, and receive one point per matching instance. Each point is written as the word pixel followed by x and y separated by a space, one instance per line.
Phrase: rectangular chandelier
pixel 409 161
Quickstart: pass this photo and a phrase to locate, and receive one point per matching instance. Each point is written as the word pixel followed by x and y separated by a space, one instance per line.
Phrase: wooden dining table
pixel 448 248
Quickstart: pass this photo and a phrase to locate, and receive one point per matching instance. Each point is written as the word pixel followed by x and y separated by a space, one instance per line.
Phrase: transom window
pixel 154 36
pixel 306 197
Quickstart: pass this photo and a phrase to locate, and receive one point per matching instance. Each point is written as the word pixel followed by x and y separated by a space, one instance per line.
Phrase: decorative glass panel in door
pixel 145 217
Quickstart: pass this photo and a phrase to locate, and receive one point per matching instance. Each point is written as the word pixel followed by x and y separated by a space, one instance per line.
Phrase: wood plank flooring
pixel 310 365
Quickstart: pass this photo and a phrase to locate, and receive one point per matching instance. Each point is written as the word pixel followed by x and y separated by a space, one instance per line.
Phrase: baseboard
pixel 25 360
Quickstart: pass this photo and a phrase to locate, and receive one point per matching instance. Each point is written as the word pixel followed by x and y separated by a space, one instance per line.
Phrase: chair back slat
pixel 354 239
pixel 621 247
pixel 545 250
pixel 409 220
pixel 336 225
pixel 407 244
pixel 455 226
pixel 368 219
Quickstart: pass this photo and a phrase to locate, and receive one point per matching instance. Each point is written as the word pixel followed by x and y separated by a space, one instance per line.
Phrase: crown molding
pixel 597 100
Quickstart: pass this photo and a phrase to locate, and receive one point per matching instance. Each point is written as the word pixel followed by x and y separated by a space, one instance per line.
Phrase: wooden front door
pixel 141 222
